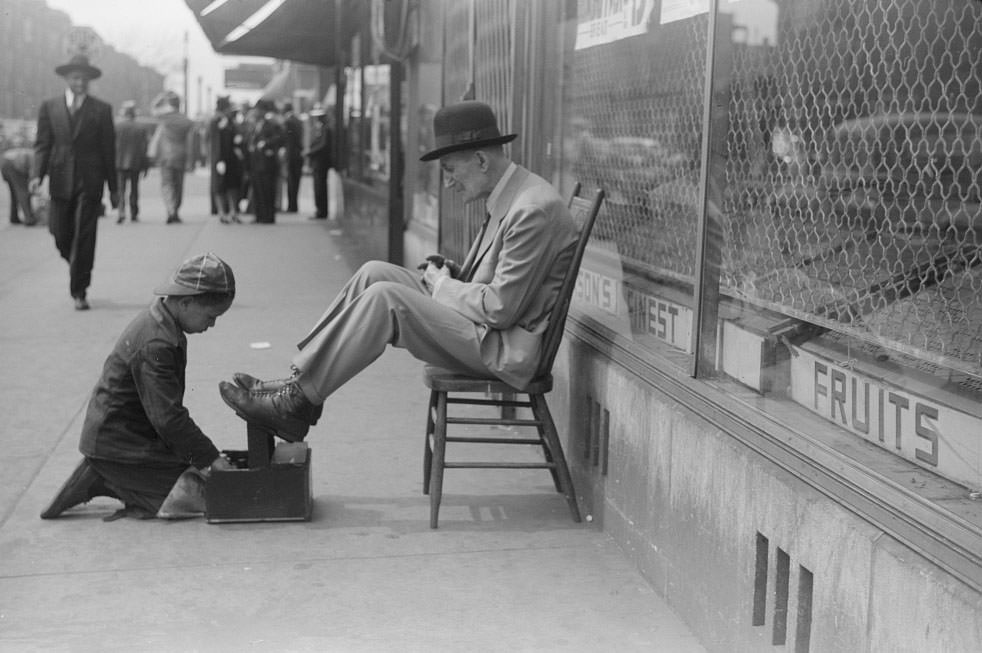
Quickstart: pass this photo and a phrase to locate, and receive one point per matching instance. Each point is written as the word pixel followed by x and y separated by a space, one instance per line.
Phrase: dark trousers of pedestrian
pixel 73 223
pixel 264 195
pixel 20 197
pixel 319 178
pixel 129 180
pixel 294 171
pixel 172 189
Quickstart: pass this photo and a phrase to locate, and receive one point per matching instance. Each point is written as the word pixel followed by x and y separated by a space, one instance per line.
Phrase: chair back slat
pixel 584 210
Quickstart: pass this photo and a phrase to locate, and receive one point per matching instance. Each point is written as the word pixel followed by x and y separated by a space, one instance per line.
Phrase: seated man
pixel 139 443
pixel 487 319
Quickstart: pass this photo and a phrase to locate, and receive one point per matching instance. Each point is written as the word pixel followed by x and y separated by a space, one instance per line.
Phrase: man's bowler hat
pixel 205 273
pixel 79 63
pixel 464 126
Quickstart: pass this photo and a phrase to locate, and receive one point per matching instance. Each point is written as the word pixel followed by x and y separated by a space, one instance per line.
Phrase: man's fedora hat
pixel 79 63
pixel 464 126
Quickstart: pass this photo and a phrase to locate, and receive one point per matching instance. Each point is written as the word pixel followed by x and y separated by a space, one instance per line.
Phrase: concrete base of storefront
pixel 751 555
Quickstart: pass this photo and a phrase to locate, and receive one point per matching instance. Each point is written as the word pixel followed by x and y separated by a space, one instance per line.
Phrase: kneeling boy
pixel 138 439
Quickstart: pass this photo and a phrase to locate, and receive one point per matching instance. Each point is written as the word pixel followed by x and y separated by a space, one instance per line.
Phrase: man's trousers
pixel 129 179
pixel 172 189
pixel 73 223
pixel 384 304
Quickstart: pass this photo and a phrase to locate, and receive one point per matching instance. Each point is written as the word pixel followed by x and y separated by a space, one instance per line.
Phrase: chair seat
pixel 443 380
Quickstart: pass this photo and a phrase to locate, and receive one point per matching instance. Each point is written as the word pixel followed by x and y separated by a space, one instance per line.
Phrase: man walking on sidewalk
pixel 485 317
pixel 171 148
pixel 320 154
pixel 293 144
pixel 76 150
pixel 131 160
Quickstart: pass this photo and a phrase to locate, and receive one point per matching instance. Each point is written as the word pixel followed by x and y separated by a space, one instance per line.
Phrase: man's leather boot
pixel 286 411
pixel 251 383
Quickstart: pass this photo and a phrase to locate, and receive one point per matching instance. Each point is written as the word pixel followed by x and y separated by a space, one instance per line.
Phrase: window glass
pixel 632 125
pixel 849 174
pixel 842 274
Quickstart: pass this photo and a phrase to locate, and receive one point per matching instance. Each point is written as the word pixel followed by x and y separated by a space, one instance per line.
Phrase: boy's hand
pixel 221 464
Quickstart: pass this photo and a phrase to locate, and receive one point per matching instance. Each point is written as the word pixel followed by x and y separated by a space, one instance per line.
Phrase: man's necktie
pixel 465 271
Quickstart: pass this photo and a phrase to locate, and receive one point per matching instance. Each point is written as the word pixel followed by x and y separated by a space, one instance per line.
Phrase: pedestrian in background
pixel 76 150
pixel 172 148
pixel 320 155
pixel 293 135
pixel 225 155
pixel 15 166
pixel 131 161
pixel 264 142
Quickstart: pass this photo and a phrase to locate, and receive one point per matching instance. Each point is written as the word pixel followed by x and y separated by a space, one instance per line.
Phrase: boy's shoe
pixel 84 484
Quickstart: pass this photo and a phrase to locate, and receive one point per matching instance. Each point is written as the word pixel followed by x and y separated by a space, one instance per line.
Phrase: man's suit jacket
pixel 263 143
pixel 293 138
pixel 131 146
pixel 517 275
pixel 72 150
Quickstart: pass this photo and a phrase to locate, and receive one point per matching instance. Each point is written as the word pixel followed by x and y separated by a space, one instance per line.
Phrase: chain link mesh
pixel 853 164
pixel 491 79
pixel 854 173
pixel 634 114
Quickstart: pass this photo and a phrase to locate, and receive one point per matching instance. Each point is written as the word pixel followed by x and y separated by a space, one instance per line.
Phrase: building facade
pixel 772 386
pixel 36 39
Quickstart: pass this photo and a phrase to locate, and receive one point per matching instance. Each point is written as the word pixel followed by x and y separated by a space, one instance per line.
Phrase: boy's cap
pixel 202 274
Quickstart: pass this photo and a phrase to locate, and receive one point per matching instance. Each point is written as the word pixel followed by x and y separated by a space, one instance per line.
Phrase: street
pixel 507 570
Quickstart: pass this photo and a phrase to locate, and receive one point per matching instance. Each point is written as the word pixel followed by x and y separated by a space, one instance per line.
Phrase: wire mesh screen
pixel 480 60
pixel 854 172
pixel 633 111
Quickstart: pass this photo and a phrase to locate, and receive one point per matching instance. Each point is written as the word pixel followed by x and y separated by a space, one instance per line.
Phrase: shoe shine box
pixel 268 483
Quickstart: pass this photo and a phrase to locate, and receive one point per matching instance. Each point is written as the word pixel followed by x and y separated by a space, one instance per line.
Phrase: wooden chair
pixel 442 383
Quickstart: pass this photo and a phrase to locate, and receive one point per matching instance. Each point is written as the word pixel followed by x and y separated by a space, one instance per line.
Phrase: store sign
pixel 606 21
pixel 597 290
pixel 918 428
pixel 673 10
pixel 661 318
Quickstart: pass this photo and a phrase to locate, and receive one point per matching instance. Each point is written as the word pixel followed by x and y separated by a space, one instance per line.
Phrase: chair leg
pixel 439 455
pixel 551 436
pixel 428 449
pixel 546 450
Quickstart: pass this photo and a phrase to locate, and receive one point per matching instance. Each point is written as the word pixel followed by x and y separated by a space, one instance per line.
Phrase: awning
pixel 295 30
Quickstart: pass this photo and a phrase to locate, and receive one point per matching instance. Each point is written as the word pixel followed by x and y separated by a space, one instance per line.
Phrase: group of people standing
pixel 251 151
pixel 81 150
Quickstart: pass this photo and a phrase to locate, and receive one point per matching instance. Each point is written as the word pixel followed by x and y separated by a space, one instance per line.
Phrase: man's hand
pixel 434 273
pixel 220 167
pixel 440 261
pixel 34 186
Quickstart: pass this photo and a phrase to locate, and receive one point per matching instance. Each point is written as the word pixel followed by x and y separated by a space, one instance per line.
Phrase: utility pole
pixel 187 104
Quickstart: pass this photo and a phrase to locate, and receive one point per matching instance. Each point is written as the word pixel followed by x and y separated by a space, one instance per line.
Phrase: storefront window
pixel 841 199
pixel 849 176
pixel 367 122
pixel 633 126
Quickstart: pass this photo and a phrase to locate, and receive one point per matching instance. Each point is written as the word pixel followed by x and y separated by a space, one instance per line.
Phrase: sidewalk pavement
pixel 506 571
